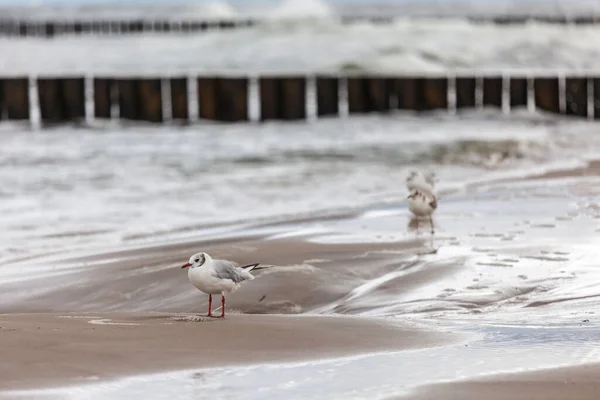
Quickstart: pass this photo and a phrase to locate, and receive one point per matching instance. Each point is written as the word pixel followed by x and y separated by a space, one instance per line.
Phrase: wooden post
pixel 50 99
pixel 124 26
pixel 61 99
pixel 547 94
pixel 136 26
pixel 435 93
pixel 518 92
pixel 292 97
pixel 409 92
pixel 368 95
pixel 223 99
pixel 357 98
pixel 22 28
pixel 576 96
pixel 73 97
pixel 50 29
pixel 378 94
pixel 327 96
pixel 150 99
pixel 179 99
pixel 207 98
pixel 596 83
pixel 269 98
pixel 16 97
pixel 129 107
pixel 102 97
pixel 282 98
pixel 492 91
pixel 2 100
pixel 465 92
pixel 86 27
pixel 232 99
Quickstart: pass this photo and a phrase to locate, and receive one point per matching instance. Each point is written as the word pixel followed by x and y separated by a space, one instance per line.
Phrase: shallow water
pixel 75 188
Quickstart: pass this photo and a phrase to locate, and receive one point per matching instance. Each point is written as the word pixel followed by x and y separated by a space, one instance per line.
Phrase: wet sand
pixel 40 350
pixel 487 258
pixel 574 383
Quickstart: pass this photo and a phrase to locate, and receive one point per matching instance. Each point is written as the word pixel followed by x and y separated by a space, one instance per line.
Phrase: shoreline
pixel 106 346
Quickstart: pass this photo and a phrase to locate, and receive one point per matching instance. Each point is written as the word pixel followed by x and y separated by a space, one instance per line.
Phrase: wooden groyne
pixel 228 99
pixel 51 28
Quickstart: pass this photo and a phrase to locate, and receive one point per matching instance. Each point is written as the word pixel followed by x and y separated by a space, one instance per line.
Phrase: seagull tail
pixel 252 267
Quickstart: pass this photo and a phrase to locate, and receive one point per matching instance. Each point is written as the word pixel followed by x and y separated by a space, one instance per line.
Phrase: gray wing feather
pixel 228 270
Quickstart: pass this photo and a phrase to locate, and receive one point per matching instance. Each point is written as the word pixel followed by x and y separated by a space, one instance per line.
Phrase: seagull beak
pixel 186 265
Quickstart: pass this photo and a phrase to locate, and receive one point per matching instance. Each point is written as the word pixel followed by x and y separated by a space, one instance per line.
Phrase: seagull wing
pixel 224 269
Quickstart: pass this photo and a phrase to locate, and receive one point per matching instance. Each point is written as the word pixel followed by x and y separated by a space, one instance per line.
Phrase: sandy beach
pixel 59 349
pixel 576 383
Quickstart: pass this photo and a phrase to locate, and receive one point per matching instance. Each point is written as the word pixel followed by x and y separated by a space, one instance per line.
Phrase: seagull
pixel 217 276
pixel 422 201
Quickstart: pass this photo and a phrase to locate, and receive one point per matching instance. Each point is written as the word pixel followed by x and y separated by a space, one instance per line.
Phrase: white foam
pixel 212 10
pixel 301 9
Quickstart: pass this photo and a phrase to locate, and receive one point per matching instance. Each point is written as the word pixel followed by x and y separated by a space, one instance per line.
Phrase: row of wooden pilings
pixel 102 27
pixel 50 28
pixel 227 99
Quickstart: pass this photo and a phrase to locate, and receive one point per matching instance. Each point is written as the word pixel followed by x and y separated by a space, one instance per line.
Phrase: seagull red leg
pixel 222 306
pixel 209 306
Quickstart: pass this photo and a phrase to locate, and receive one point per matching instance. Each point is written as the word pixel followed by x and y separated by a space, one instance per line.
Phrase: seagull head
pixel 197 260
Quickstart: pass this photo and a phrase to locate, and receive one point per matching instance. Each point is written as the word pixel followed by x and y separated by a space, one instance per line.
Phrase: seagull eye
pixel 197 260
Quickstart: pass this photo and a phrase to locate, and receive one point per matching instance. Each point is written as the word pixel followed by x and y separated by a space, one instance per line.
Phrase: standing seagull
pixel 421 199
pixel 216 276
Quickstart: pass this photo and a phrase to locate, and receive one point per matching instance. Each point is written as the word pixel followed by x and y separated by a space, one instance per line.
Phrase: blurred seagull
pixel 422 201
pixel 217 277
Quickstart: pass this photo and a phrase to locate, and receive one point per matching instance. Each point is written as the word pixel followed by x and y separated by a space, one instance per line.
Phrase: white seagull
pixel 216 277
pixel 422 201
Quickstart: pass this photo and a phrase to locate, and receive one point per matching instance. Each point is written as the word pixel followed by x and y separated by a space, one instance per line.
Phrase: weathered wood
pixel 16 97
pixel 465 92
pixel 73 98
pixel 435 93
pixel 179 99
pixel 129 107
pixel 576 96
pixel 357 97
pixel 409 93
pixel 22 28
pixel 547 94
pixel 232 99
pixel 518 92
pixel 378 94
pixel 223 99
pixel 150 99
pixel 596 86
pixel 492 91
pixel 50 29
pixel 269 98
pixel 368 95
pixel 50 100
pixel 2 102
pixel 292 97
pixel 207 98
pixel 102 97
pixel 327 96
